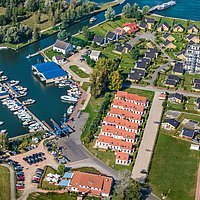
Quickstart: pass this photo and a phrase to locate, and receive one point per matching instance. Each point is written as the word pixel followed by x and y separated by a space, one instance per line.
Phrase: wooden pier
pixel 12 93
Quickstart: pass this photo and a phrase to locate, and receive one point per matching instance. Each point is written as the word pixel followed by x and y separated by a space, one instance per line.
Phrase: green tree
pixel 36 33
pixel 126 10
pixel 115 81
pixel 135 53
pixel 61 169
pixel 145 10
pixel 110 14
pixel 64 35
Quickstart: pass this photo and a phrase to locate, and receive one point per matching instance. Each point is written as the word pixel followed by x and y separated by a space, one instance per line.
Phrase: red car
pixel 19 187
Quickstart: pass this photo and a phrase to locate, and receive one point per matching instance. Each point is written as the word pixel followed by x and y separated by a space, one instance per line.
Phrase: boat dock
pixel 12 93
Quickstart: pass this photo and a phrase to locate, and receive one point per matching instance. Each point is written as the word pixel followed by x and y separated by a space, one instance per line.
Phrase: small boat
pixel 70 110
pixel 68 98
pixel 166 5
pixel 93 19
pixel 3 78
pixel 3 131
pixel 1 72
pixel 28 56
pixel 1 123
pixel 28 102
pixel 13 82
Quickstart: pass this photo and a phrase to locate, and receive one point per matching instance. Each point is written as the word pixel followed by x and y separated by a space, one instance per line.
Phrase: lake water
pixel 48 104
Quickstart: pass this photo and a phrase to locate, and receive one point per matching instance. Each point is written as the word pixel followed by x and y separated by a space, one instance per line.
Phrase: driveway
pixel 148 141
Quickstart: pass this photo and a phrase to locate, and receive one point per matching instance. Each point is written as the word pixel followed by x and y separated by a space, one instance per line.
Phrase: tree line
pixel 58 11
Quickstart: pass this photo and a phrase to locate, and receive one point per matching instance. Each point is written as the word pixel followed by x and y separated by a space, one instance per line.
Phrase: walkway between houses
pixel 12 181
pixel 148 140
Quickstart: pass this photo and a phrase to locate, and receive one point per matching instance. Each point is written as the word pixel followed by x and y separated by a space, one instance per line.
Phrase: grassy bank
pixel 174 168
pixel 4 183
pixel 79 71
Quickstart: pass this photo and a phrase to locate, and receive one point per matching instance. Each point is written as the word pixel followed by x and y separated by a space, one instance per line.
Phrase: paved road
pixel 148 141
pixel 12 181
pixel 154 75
pixel 197 195
pixel 155 89
pixel 78 153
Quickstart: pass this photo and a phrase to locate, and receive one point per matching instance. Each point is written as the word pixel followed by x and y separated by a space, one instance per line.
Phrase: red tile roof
pixel 129 105
pixel 132 97
pixel 92 181
pixel 132 26
pixel 121 122
pixel 125 114
pixel 122 156
pixel 120 132
pixel 115 142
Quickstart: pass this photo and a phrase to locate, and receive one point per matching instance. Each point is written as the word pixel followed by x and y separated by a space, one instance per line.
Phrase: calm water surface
pixel 48 105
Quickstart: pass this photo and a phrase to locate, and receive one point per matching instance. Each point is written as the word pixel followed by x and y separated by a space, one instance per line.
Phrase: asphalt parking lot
pixel 71 146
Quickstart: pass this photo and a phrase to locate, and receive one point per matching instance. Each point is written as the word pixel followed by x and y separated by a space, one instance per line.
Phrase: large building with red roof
pixel 130 27
pixel 122 125
pixel 96 185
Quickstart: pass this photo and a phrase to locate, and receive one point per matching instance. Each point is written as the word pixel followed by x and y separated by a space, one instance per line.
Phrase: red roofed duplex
pixel 106 142
pixel 97 185
pixel 121 123
pixel 132 27
pixel 122 104
pixel 134 98
pixel 125 114
pixel 118 133
pixel 122 158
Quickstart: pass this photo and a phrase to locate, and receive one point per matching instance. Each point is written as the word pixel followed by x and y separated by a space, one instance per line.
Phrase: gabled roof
pixel 134 76
pixel 198 100
pixel 189 133
pixel 128 46
pixel 166 35
pixel 178 68
pixel 119 48
pixel 197 86
pixel 119 31
pixel 193 26
pixel 142 24
pixel 150 20
pixel 179 26
pixel 133 26
pixel 131 97
pixel 181 53
pixel 171 82
pixel 176 95
pixel 166 43
pixel 172 122
pixel 61 44
pixel 174 77
pixel 59 57
pixel 98 39
pixel 150 54
pixel 141 65
pixel 139 71
pixel 110 35
pixel 164 24
pixel 190 36
pixel 196 80
pixel 122 156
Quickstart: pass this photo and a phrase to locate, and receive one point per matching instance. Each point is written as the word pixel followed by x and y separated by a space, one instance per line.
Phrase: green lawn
pixel 148 94
pixel 85 86
pixel 45 184
pixel 4 183
pixel 174 167
pixel 50 53
pixel 52 196
pixel 87 169
pixel 92 108
pixel 79 71
pixel 44 22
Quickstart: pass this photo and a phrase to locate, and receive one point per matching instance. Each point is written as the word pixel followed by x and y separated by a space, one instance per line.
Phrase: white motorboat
pixel 93 19
pixel 1 123
pixel 70 110
pixel 3 131
pixel 28 102
pixel 68 98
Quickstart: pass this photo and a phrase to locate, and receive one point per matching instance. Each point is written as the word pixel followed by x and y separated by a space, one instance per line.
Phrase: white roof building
pixel 95 55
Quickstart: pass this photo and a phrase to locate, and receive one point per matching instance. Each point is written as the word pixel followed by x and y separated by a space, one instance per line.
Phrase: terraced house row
pixel 122 125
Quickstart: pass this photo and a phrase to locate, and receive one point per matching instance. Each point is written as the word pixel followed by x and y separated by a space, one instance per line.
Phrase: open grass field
pixel 52 196
pixel 2 11
pixel 4 183
pixel 79 71
pixel 87 169
pixel 85 86
pixel 174 168
pixel 32 21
